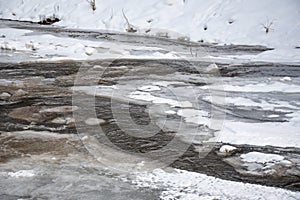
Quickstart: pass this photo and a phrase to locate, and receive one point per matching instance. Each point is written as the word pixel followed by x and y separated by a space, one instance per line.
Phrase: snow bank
pixel 285 134
pixel 236 22
pixel 190 185
pixel 146 96
pixel 21 173
pixel 259 157
pixel 258 87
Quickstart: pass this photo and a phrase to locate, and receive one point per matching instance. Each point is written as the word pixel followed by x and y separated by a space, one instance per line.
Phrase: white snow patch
pixel 90 51
pixel 282 134
pixel 167 83
pixel 194 116
pixel 286 78
pixel 212 68
pixel 259 87
pixel 146 96
pixel 263 104
pixel 185 185
pixel 21 173
pixel 94 121
pixel 273 116
pixel 62 120
pixel 60 109
pixel 259 157
pixel 44 47
pixel 170 112
pixel 281 55
pixel 227 149
pixel 149 88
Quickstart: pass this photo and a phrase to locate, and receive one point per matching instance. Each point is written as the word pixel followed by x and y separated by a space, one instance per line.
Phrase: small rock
pixel 89 51
pixel 30 45
pixel 84 138
pixel 94 121
pixel 21 173
pixel 212 68
pixel 227 149
pixel 70 120
pixel 20 92
pixel 98 67
pixel 170 112
pixel 286 78
pixel 5 95
pixel 59 120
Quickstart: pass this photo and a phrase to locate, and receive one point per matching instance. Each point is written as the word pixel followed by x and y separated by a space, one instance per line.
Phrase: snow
pixel 227 22
pixel 222 22
pixel 146 96
pixel 59 109
pixel 149 88
pixel 21 173
pixel 280 55
pixel 94 121
pixel 281 134
pixel 286 78
pixel 44 47
pixel 273 116
pixel 219 21
pixel 273 133
pixel 285 134
pixel 212 68
pixel 170 112
pixel 263 104
pixel 227 148
pixel 90 51
pixel 259 157
pixel 62 120
pixel 167 83
pixel 194 116
pixel 185 185
pixel 258 87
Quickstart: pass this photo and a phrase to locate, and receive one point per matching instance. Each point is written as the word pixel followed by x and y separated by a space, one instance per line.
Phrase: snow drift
pixel 219 21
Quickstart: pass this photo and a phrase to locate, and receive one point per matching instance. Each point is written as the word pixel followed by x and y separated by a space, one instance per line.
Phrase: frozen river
pixel 106 127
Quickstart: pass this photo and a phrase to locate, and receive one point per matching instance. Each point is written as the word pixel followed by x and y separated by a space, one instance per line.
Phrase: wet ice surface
pixel 141 105
pixel 63 170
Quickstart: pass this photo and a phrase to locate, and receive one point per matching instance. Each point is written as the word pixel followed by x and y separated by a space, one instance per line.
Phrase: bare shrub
pixel 130 27
pixel 107 21
pixel 267 26
pixel 193 54
pixel 92 4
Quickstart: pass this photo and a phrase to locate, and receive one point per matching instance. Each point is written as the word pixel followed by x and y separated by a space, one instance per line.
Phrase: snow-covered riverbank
pixel 237 22
pixel 234 126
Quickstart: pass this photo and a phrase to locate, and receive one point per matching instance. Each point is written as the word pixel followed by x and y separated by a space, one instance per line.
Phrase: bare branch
pixel 130 28
pixel 92 4
pixel 267 26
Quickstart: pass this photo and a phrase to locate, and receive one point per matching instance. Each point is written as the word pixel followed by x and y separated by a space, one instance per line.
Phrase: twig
pixel 130 28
